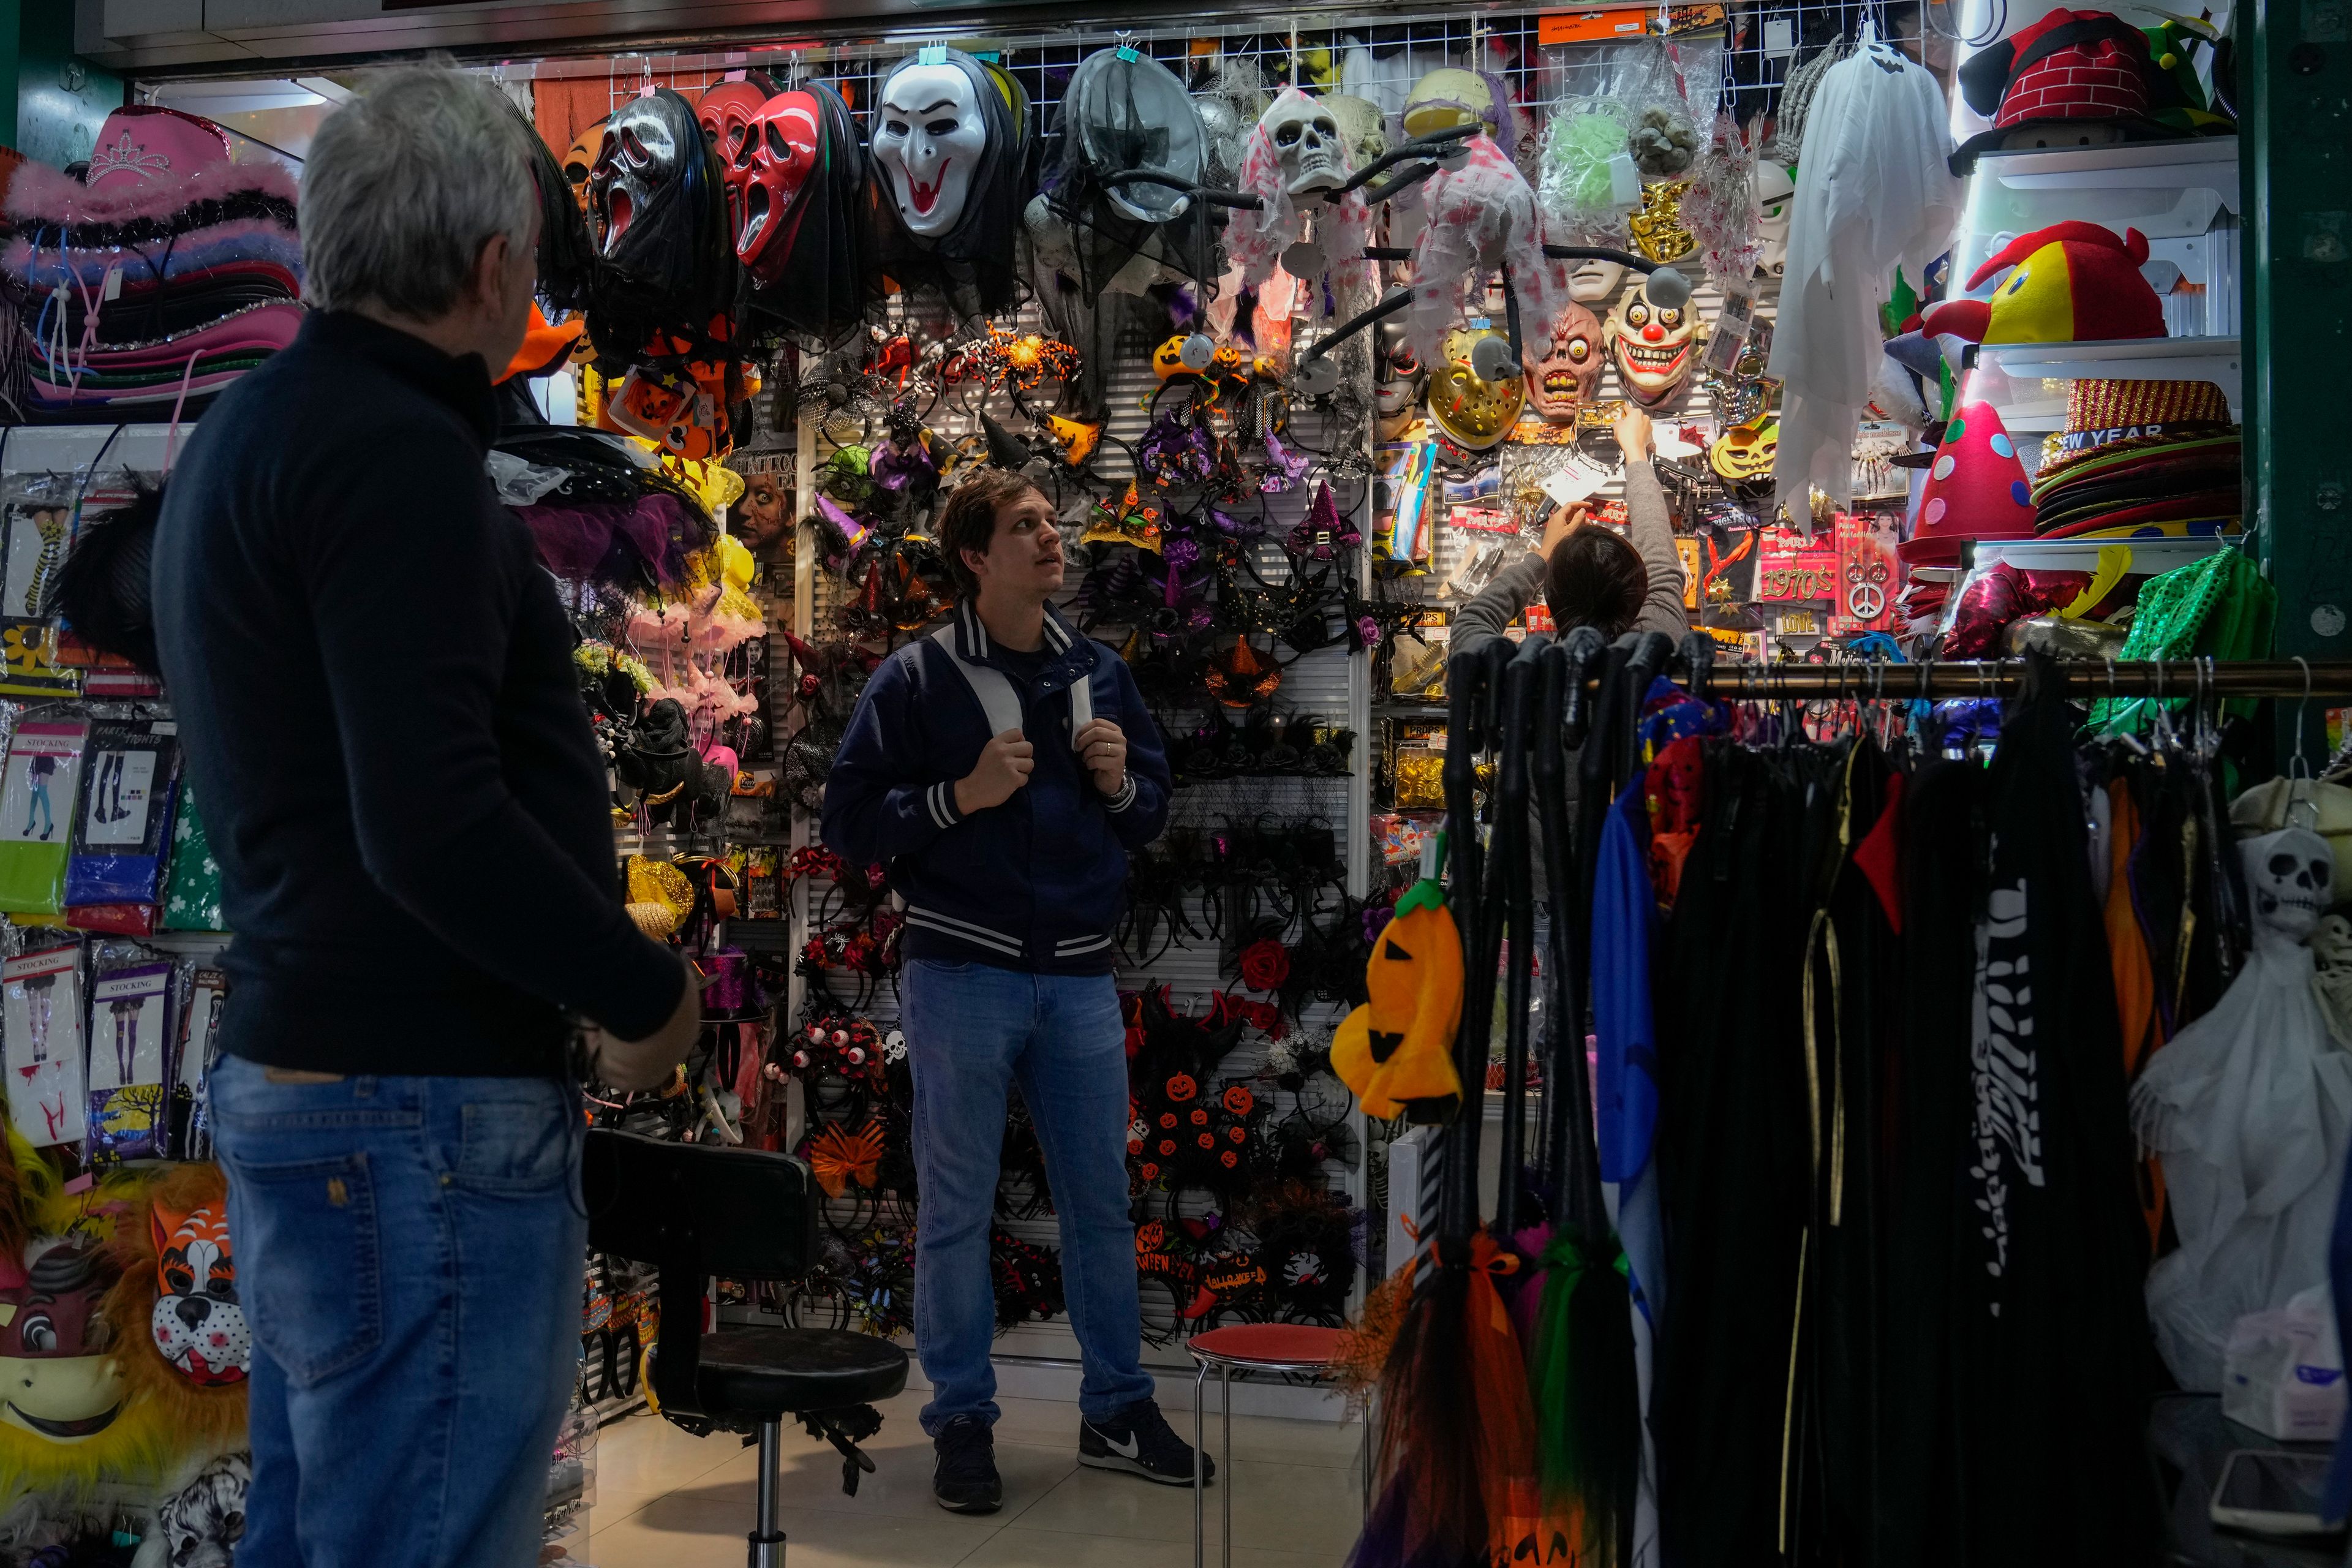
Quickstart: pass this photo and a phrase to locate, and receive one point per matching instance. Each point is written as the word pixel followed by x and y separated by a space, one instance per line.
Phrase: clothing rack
pixel 1961 678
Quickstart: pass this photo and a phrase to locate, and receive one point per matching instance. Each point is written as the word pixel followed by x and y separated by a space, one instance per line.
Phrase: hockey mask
pixel 1568 371
pixel 929 136
pixel 1775 194
pixel 1307 143
pixel 769 172
pixel 198 1324
pixel 1476 413
pixel 640 161
pixel 1653 345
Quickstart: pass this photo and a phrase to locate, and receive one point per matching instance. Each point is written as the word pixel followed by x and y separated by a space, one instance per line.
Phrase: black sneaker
pixel 1138 1440
pixel 965 1479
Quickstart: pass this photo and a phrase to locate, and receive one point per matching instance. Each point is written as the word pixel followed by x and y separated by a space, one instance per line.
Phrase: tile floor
pixel 668 1500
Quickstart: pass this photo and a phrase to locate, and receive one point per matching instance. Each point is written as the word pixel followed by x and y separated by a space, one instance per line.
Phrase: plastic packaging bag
pixel 42 781
pixel 2283 1371
pixel 192 898
pixel 121 833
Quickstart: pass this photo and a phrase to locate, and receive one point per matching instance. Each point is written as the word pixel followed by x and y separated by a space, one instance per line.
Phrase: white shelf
pixel 67 448
pixel 2149 557
pixel 2025 365
pixel 2202 172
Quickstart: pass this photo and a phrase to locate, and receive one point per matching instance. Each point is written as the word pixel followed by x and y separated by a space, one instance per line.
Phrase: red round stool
pixel 1252 1347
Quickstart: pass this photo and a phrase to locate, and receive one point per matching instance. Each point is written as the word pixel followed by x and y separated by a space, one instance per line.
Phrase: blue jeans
pixel 973 1029
pixel 410 1252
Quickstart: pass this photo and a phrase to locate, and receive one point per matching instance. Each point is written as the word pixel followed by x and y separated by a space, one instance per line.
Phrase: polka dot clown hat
pixel 1976 489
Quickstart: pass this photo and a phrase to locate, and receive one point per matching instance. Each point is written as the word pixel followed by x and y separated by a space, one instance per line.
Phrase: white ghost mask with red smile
pixel 929 136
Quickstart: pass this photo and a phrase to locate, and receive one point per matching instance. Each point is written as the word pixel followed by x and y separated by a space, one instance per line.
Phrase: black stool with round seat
pixel 699 1211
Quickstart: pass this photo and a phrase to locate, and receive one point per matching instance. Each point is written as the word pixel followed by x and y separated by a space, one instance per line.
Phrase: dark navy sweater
pixel 1038 883
pixel 375 685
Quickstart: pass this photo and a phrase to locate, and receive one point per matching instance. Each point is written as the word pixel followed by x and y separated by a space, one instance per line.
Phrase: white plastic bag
pixel 2283 1373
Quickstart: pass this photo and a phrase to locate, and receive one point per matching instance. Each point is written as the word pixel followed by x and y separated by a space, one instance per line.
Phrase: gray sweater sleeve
pixel 1652 534
pixel 1499 602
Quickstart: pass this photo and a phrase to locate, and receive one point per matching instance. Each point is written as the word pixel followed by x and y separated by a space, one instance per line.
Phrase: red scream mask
pixel 725 113
pixel 767 174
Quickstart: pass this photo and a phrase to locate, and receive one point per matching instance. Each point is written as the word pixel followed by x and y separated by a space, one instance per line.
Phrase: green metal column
pixel 2294 78
pixel 51 103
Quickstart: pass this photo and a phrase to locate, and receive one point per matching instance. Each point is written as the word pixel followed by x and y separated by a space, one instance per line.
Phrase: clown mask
pixel 1567 372
pixel 1654 345
pixel 640 161
pixel 765 179
pixel 929 135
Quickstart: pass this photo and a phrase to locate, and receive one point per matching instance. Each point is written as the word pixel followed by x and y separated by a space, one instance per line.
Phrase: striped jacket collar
pixel 1075 653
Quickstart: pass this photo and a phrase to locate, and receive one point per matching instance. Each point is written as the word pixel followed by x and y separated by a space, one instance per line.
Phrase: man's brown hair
pixel 969 519
pixel 1595 579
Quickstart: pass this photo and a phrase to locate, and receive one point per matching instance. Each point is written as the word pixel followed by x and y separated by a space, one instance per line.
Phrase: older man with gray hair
pixel 375 685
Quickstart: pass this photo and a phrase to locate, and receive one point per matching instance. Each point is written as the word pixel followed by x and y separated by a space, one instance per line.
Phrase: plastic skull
pixel 2291 877
pixel 639 162
pixel 929 136
pixel 1563 377
pixel 1775 192
pixel 767 175
pixel 1306 142
pixel 1653 344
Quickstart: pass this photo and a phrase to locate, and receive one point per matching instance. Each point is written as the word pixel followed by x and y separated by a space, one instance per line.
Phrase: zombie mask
pixel 1592 281
pixel 197 1322
pixel 640 161
pixel 56 1381
pixel 580 158
pixel 1567 372
pixel 1654 345
pixel 929 135
pixel 2290 879
pixel 1476 414
pixel 766 176
pixel 1306 142
pixel 1402 380
pixel 1775 194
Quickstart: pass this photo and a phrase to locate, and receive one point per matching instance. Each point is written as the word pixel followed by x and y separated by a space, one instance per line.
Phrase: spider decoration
pixel 1022 360
pixel 1307 1246
pixel 878 1277
pixel 1027 1281
pixel 839 1155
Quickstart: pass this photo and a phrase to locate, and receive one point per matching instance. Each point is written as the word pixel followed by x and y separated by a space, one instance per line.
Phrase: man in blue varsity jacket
pixel 1003 768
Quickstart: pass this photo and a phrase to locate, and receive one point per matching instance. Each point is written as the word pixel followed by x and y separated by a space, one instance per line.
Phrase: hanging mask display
pixel 1564 371
pixel 1593 281
pixel 929 136
pixel 1479 219
pixel 581 157
pixel 725 110
pixel 640 166
pixel 767 178
pixel 1297 148
pixel 1775 192
pixel 1450 96
pixel 1659 232
pixel 1124 110
pixel 1402 380
pixel 946 156
pixel 1363 130
pixel 1654 346
pixel 197 1322
pixel 1474 414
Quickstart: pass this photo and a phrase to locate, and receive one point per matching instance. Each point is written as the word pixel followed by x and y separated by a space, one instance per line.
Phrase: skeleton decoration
pixel 929 137
pixel 2291 877
pixel 1480 218
pixel 1402 378
pixel 766 177
pixel 1564 371
pixel 1774 193
pixel 1296 152
pixel 1363 130
pixel 2249 1107
pixel 1654 345
pixel 637 167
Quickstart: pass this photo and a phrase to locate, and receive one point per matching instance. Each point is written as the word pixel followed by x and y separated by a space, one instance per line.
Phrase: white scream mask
pixel 1592 281
pixel 1775 190
pixel 929 136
